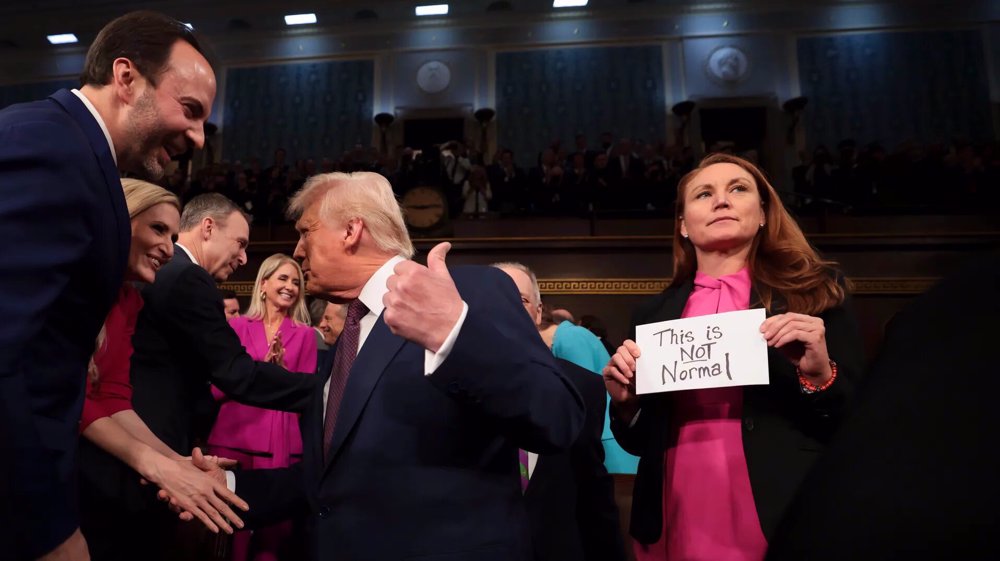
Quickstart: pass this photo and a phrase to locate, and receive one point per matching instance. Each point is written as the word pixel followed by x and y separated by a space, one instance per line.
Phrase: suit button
pixel 324 511
pixel 454 388
pixel 748 423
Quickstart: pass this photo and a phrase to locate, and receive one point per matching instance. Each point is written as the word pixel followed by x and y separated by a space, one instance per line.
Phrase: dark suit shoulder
pixel 179 272
pixel 666 305
pixel 590 385
pixel 44 123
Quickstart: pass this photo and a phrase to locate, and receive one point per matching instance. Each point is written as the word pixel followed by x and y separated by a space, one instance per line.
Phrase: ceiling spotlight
pixel 62 38
pixel 300 19
pixel 569 3
pixel 432 10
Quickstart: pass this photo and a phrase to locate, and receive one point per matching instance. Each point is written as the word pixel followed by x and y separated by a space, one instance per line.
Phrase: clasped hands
pixel 800 338
pixel 195 487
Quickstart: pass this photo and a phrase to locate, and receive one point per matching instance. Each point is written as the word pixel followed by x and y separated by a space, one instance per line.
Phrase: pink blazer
pixel 264 431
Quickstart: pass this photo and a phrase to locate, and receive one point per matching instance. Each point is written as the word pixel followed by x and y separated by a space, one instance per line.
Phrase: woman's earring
pixel 263 295
pixel 761 224
pixel 685 236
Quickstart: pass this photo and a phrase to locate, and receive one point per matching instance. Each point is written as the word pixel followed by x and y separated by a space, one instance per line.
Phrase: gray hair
pixel 210 205
pixel 365 195
pixel 535 293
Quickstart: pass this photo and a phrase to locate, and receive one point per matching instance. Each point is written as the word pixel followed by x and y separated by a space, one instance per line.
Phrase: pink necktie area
pixel 522 460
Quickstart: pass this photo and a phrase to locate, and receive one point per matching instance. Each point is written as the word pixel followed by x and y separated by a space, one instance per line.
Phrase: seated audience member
pixel 545 182
pixel 560 315
pixel 719 466
pixel 578 186
pixel 911 474
pixel 111 430
pixel 230 303
pixel 275 329
pixel 316 309
pixel 476 192
pixel 569 496
pixel 331 325
pixel 508 182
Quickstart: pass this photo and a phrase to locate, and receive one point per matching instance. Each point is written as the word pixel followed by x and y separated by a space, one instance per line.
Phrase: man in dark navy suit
pixel 437 379
pixel 570 497
pixel 64 240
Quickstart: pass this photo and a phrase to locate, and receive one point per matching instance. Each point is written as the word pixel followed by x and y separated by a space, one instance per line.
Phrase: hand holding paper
pixel 619 376
pixel 802 339
pixel 714 351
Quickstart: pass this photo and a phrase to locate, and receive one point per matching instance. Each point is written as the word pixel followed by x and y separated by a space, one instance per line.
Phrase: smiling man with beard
pixel 145 93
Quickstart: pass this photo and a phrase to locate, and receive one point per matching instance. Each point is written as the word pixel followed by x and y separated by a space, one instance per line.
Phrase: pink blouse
pixel 708 506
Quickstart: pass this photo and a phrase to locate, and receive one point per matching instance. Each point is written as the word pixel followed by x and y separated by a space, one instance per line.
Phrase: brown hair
pixel 144 37
pixel 788 273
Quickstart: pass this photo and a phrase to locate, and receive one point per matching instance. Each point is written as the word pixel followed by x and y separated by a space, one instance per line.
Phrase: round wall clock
pixel 728 65
pixel 433 76
pixel 424 208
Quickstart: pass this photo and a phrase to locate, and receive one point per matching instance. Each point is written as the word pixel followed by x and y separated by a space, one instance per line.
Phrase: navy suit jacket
pixel 425 467
pixel 64 242
pixel 571 496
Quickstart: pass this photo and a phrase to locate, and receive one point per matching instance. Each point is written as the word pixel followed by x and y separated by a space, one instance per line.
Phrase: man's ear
pixel 208 227
pixel 126 80
pixel 352 233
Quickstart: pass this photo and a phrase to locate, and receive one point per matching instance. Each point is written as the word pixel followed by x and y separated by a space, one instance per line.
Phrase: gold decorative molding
pixel 602 286
pixel 624 286
pixel 643 286
pixel 241 288
pixel 890 286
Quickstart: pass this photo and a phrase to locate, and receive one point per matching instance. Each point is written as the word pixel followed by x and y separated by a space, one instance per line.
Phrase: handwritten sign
pixel 715 351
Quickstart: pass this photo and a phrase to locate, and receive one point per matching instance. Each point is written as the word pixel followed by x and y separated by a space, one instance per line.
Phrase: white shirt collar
pixel 189 254
pixel 375 288
pixel 100 121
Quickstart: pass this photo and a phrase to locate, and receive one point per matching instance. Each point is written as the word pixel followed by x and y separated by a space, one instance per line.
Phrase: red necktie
pixel 347 350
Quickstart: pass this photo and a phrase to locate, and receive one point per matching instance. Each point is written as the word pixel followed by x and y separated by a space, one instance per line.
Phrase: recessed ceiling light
pixel 432 10
pixel 62 38
pixel 300 19
pixel 568 3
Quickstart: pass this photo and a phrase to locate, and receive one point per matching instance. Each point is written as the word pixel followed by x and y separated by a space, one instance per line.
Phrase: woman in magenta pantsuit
pixel 275 328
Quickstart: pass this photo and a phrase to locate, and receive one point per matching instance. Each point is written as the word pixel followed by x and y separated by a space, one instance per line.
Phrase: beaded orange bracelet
pixel 809 387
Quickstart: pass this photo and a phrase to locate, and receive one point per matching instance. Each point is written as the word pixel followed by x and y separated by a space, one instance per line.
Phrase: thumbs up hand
pixel 422 304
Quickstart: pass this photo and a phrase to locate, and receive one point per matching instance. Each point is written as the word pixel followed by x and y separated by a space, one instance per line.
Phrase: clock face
pixel 433 76
pixel 423 207
pixel 728 65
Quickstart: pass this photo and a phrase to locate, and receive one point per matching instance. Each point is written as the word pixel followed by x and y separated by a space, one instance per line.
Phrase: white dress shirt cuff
pixel 231 481
pixel 433 360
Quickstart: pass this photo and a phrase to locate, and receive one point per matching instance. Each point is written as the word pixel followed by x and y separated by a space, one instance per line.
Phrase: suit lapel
pixel 112 177
pixel 379 349
pixel 673 305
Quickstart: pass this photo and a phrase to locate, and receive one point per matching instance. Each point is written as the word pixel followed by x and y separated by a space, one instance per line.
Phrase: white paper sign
pixel 715 351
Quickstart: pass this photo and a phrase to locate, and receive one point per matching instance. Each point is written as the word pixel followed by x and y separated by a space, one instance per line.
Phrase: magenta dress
pixel 708 507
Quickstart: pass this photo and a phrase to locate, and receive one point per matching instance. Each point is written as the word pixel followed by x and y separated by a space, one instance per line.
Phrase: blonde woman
pixel 274 329
pixel 110 428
